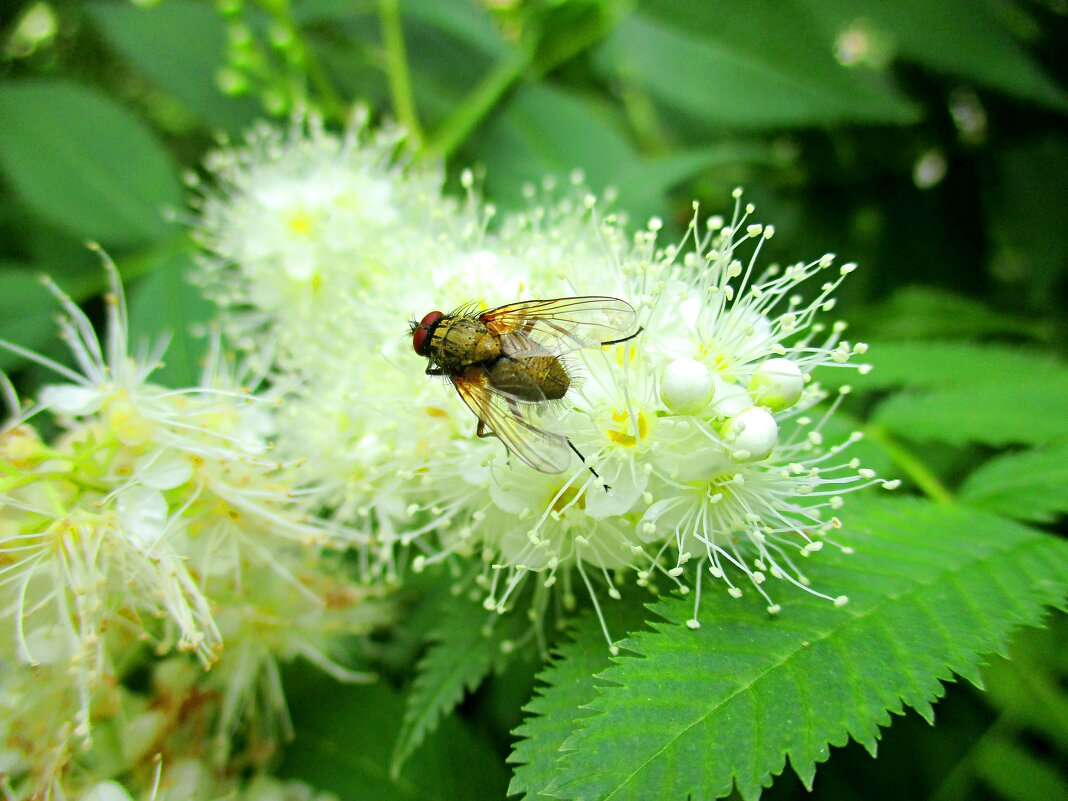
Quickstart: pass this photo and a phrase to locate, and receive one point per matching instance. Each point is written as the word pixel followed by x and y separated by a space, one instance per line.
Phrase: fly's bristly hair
pixel 470 309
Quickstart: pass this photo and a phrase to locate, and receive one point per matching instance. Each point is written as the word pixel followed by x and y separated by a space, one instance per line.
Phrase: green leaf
pixel 569 681
pixel 180 45
pixel 937 365
pixel 957 37
pixel 466 21
pixel 84 163
pixel 931 588
pixel 1028 688
pixel 928 313
pixel 740 65
pixel 1032 485
pixel 1026 214
pixel 542 131
pixel 343 736
pixel 995 414
pixel 641 185
pixel 165 304
pixel 468 643
pixel 1016 773
pixel 28 310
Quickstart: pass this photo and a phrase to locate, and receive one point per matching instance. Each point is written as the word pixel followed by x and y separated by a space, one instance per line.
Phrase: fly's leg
pixel 431 370
pixel 589 466
pixel 624 339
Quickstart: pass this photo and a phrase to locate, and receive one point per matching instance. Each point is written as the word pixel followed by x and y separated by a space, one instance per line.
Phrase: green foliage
pixel 467 644
pixel 1029 485
pixel 958 393
pixel 668 101
pixel 923 313
pixel 25 307
pixel 180 46
pixel 746 70
pixel 546 131
pixel 342 741
pixel 956 37
pixel 84 163
pixel 931 590
pixel 1019 754
pixel 996 414
pixel 948 365
pixel 569 679
pixel 164 304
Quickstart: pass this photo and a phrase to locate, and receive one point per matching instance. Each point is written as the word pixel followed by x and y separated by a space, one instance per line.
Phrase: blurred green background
pixel 924 140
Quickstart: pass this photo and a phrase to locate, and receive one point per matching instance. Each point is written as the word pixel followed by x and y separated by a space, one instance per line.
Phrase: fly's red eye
pixel 419 335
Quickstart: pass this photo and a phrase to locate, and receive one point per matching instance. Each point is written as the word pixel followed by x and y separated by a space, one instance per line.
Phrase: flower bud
pixel 731 399
pixel 777 384
pixel 752 434
pixel 686 386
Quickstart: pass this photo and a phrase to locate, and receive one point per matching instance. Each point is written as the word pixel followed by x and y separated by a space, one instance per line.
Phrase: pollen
pixel 301 223
pixel 623 433
pixel 567 499
pixel 623 353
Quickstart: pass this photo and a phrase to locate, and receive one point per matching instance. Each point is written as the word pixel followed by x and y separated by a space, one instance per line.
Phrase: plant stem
pixel 330 102
pixel 475 107
pixel 927 481
pixel 400 84
pixel 455 130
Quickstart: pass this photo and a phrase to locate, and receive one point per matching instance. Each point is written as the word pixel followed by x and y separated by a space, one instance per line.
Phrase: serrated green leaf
pixel 165 304
pixel 180 45
pixel 932 589
pixel 740 65
pixel 569 681
pixel 468 644
pixel 995 414
pixel 343 734
pixel 935 365
pixel 85 163
pixel 1032 485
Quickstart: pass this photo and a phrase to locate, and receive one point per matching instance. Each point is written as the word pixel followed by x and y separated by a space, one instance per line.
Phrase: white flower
pixel 154 518
pixel 694 438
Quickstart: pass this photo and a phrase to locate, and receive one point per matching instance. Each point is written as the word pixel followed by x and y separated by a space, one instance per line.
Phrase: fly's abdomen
pixel 530 378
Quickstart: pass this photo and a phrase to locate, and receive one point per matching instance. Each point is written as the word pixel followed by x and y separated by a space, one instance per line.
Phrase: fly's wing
pixel 511 420
pixel 560 325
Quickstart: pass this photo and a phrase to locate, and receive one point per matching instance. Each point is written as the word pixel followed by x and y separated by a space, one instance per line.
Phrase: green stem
pixel 455 130
pixel 400 84
pixel 957 784
pixel 330 102
pixel 927 481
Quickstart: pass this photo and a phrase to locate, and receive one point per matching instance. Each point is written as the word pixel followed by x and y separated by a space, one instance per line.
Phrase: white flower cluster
pixel 701 426
pixel 155 522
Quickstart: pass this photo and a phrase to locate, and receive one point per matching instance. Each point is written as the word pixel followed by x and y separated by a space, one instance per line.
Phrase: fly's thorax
pixel 530 378
pixel 458 342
